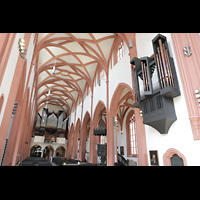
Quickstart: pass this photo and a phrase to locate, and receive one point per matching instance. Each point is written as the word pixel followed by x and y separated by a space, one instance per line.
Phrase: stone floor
pixel 35 161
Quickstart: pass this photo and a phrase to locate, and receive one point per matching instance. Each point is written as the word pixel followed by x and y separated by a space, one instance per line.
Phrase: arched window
pixel 120 52
pixel 133 136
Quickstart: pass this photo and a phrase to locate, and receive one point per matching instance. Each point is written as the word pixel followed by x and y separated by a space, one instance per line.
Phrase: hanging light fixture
pixel 101 130
pixel 22 49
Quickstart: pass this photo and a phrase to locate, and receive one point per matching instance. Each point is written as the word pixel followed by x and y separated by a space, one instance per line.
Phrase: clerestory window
pixel 120 52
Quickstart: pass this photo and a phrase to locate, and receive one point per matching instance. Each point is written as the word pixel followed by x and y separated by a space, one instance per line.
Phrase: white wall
pixel 120 73
pixel 100 93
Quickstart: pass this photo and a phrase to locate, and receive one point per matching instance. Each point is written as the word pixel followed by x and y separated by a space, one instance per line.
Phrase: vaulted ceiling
pixel 77 57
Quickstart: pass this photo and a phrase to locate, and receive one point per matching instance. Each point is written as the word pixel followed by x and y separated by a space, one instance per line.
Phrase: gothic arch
pixel 114 106
pixel 94 139
pixel 47 146
pixel 114 103
pixel 33 147
pixel 96 116
pixel 51 151
pixel 84 129
pixel 62 150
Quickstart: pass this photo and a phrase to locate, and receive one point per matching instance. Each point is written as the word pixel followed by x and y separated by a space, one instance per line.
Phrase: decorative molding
pixel 169 153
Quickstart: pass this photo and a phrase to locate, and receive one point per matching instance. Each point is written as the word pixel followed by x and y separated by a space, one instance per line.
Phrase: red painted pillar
pixel 140 127
pixel 189 72
pixel 12 95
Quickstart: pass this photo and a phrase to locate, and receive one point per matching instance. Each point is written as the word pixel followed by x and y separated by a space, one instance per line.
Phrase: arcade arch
pixel 60 151
pixel 48 152
pixel 36 151
pixel 100 107
pixel 84 138
pixel 122 101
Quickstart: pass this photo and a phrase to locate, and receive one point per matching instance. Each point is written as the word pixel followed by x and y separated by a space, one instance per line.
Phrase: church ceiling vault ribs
pixel 76 57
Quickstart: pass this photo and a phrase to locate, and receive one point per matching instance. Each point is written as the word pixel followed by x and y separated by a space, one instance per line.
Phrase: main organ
pixel 50 122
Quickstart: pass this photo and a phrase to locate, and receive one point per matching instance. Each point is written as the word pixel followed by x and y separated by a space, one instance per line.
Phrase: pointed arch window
pixel 120 52
pixel 133 136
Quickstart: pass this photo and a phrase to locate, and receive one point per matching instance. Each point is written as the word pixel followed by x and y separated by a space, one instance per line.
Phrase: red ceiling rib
pixel 73 62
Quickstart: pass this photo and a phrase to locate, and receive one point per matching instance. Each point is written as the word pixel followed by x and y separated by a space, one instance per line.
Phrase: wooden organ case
pixel 156 85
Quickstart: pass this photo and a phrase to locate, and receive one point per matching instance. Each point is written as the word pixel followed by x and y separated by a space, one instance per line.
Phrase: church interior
pixel 99 99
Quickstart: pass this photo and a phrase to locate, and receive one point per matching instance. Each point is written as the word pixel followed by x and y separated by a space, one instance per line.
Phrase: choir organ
pixel 156 85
